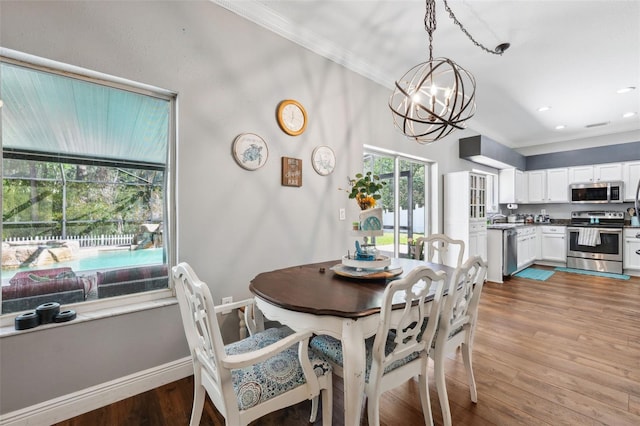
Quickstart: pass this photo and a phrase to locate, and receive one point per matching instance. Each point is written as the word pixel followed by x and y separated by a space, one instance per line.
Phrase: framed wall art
pixel 291 171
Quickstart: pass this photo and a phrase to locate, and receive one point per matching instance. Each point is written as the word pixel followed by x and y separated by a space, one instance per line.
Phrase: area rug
pixel 594 273
pixel 535 274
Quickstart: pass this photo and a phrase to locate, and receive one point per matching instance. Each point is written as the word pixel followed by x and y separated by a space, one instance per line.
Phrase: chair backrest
pixel 408 296
pixel 201 327
pixel 461 301
pixel 442 245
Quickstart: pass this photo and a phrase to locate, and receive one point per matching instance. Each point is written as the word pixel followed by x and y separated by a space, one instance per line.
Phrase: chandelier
pixel 436 97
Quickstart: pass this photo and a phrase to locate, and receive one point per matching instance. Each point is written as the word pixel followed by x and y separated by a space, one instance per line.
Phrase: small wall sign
pixel 291 171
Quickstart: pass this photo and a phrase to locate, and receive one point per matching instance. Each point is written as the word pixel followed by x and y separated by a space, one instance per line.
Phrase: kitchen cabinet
pixel 465 215
pixel 548 186
pixel 631 249
pixel 513 186
pixel 526 243
pixel 478 239
pixel 630 176
pixel 596 173
pixel 537 186
pixel 553 243
pixel 558 185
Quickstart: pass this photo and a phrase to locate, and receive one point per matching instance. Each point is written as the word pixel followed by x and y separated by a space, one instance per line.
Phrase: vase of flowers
pixel 365 189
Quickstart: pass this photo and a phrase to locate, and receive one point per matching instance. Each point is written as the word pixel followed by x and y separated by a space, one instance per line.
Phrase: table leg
pixel 353 352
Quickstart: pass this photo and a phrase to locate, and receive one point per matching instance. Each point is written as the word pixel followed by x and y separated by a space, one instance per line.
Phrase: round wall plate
pixel 250 151
pixel 323 160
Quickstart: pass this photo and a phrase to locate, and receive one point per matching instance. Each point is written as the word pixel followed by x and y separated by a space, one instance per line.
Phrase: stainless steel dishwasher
pixel 509 251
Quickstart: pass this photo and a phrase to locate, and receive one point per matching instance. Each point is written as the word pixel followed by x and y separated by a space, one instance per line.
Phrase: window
pixel 86 185
pixel 406 213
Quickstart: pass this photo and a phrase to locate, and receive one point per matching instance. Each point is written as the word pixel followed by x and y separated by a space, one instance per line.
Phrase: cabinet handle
pixel 637 235
pixel 637 251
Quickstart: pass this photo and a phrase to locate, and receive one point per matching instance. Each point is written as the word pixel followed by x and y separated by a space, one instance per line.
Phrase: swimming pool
pixel 102 259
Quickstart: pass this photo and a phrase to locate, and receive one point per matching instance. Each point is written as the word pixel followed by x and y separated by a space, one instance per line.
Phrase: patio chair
pixel 457 326
pixel 442 245
pixel 268 371
pixel 400 348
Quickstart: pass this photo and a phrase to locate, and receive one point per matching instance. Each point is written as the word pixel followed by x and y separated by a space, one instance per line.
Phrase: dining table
pixel 324 299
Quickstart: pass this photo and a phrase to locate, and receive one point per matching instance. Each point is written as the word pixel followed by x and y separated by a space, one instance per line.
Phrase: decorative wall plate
pixel 323 160
pixel 250 151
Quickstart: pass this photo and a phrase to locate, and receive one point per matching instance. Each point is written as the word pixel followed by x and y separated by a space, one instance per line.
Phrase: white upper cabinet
pixel 513 186
pixel 631 177
pixel 596 173
pixel 548 186
pixel 558 185
pixel 607 172
pixel 537 185
pixel 580 174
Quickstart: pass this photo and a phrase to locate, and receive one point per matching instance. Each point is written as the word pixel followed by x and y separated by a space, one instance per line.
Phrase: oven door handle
pixel 601 230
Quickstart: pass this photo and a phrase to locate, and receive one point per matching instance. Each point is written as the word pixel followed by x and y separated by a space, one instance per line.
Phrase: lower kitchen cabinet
pixel 478 240
pixel 553 243
pixel 631 250
pixel 526 246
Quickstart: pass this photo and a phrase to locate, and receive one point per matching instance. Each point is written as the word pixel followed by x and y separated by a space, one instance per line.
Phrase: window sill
pixel 90 312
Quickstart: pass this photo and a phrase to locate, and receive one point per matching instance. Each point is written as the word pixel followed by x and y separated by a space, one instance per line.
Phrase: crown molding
pixel 260 14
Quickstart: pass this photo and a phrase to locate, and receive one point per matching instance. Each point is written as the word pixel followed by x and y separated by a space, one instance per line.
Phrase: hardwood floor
pixel 565 351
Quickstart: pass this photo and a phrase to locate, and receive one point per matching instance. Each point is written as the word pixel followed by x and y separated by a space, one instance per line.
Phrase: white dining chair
pixel 400 348
pixel 268 371
pixel 443 246
pixel 457 325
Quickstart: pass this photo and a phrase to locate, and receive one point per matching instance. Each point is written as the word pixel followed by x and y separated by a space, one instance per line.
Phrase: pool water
pixel 106 259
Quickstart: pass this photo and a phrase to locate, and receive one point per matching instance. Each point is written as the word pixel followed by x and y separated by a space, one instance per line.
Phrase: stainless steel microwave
pixel 599 192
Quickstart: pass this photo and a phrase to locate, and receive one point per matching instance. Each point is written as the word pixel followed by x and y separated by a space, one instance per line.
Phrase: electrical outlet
pixel 226 300
pixel 343 214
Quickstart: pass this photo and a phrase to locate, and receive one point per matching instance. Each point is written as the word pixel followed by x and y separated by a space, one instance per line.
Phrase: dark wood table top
pixel 305 288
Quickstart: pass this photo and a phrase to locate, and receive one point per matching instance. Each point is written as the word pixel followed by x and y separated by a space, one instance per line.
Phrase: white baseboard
pixel 74 404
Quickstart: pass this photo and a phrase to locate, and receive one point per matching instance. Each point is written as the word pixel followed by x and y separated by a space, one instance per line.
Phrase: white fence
pixel 83 240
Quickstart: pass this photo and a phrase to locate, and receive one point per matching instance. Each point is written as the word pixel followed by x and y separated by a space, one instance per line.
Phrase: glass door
pixel 405 212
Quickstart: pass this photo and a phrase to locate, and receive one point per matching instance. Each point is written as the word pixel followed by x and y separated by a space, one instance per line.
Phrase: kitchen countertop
pixel 501 226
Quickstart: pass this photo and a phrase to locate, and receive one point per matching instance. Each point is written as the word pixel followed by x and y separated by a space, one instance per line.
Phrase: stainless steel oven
pixel 594 241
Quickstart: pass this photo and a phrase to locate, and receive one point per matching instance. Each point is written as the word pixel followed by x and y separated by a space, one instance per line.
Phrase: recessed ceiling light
pixel 628 114
pixel 626 89
pixel 560 126
pixel 544 108
pixel 604 123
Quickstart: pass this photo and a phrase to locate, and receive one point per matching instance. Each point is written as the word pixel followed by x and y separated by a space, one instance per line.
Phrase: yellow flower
pixel 365 201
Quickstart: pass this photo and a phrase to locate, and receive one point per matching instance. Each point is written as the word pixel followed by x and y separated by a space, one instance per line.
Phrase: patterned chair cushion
pixel 278 374
pixel 332 348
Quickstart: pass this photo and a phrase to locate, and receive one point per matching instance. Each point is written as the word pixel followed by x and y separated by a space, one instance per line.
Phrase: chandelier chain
pixel 464 30
pixel 430 24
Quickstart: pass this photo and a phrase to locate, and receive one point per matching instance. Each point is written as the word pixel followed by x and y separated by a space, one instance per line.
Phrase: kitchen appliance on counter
pixel 515 218
pixel 597 192
pixel 594 241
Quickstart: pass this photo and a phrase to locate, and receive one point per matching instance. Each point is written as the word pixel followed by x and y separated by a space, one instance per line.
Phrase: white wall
pixel 232 223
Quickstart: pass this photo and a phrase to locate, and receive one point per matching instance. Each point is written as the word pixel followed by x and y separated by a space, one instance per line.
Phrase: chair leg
pixel 314 409
pixel 199 394
pixel 438 363
pixel 373 410
pixel 424 398
pixel 327 405
pixel 467 357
